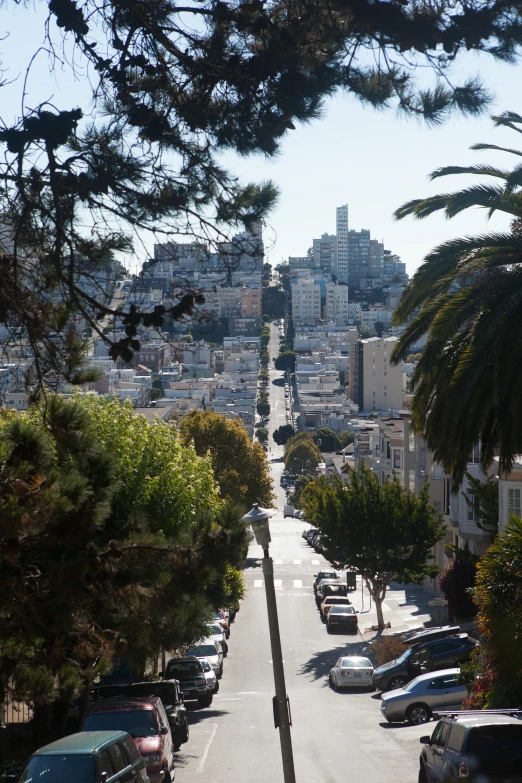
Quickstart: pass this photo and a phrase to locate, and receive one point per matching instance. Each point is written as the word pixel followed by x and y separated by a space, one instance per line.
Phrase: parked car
pixel 327 587
pixel 320 587
pixel 220 617
pixel 288 510
pixel 351 671
pixel 170 694
pixel 340 617
pixel 422 658
pixel 325 573
pixel 417 700
pixel 189 672
pixel 85 757
pixel 333 600
pixel 479 748
pixel 216 632
pixel 210 675
pixel 146 722
pixel 212 651
pixel 432 633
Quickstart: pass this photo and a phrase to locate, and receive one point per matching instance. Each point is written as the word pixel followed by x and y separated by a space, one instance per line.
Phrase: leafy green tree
pixel 156 394
pixel 456 584
pixel 328 438
pixel 345 438
pixel 303 456
pixel 240 466
pixel 365 332
pixel 264 358
pixel 466 297
pixel 379 328
pixel 283 433
pixel 274 301
pixel 263 404
pixel 286 361
pixel 497 595
pixel 383 531
pixel 483 499
pixel 262 434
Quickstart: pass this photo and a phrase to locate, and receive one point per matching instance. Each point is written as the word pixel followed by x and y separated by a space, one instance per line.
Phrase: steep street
pixel 336 736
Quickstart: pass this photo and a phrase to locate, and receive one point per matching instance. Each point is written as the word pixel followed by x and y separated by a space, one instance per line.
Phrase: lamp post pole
pixel 258 518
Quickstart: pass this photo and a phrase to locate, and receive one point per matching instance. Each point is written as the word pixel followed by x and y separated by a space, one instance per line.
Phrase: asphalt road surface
pixel 337 737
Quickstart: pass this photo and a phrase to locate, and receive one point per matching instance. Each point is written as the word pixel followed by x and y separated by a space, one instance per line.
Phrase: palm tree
pixel 467 298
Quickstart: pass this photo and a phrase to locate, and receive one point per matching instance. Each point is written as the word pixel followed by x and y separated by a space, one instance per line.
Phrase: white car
pixel 210 675
pixel 216 632
pixel 211 650
pixel 351 671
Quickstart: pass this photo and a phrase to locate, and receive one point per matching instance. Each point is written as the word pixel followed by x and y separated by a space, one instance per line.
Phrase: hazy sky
pixel 372 160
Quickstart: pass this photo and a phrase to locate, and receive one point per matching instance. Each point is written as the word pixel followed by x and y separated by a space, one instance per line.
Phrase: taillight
pixel 463 768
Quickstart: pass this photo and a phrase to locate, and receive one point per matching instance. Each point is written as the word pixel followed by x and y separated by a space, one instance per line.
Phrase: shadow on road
pixel 320 663
pixel 197 715
pixel 253 562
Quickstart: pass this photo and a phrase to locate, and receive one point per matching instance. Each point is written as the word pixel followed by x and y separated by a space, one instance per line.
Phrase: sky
pixel 374 161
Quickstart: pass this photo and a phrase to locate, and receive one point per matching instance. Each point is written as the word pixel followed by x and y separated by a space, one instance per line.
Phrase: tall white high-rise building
pixel 341 261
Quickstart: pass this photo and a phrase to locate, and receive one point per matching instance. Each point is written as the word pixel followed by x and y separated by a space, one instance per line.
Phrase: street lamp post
pixel 258 518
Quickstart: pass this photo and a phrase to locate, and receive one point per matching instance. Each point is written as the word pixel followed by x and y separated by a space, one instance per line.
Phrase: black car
pixel 479 748
pixel 169 692
pixel 191 677
pixel 421 658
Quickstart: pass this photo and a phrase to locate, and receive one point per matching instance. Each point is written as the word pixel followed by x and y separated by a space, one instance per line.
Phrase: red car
pixel 147 723
pixel 220 617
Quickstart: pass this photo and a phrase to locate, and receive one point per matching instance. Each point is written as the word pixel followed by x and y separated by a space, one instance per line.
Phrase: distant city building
pixel 378 385
pixel 366 258
pixel 324 253
pixel 342 246
pixel 306 300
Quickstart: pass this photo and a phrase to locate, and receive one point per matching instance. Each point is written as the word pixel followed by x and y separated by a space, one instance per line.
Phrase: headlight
pixel 152 758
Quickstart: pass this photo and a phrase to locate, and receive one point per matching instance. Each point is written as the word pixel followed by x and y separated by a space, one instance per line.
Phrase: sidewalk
pixel 406 608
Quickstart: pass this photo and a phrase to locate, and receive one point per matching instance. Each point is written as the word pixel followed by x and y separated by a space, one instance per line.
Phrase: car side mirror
pixel 315 575
pixel 425 740
pixel 164 730
pixel 356 611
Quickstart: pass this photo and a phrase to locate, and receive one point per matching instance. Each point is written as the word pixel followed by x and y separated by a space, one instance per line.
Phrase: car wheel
pixel 186 733
pixel 328 629
pixel 208 700
pixel 220 672
pixel 396 682
pixel 168 777
pixel 216 687
pixel 423 776
pixel 417 714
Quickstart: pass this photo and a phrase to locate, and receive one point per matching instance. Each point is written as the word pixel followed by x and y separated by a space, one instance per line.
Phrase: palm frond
pixel 478 169
pixel 495 147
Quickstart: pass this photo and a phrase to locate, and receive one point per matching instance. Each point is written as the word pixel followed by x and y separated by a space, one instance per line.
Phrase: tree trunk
pixel 378 608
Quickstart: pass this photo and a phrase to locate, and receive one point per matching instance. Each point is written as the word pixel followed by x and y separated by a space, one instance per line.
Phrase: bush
pixel 456 579
pixel 388 648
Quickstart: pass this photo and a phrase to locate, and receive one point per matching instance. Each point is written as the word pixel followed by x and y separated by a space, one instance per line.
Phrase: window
pixel 396 458
pixel 456 738
pixel 473 515
pixel 514 502
pixel 450 681
pixel 131 750
pixel 388 450
pixel 437 472
pixel 117 759
pixel 411 440
pixel 474 457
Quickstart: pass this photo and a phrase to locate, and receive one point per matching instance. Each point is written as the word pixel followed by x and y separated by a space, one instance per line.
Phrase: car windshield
pixel 404 656
pixel 202 650
pixel 342 610
pixel 180 670
pixel 327 575
pixel 356 663
pixel 59 769
pixel 137 723
pixel 215 628
pixel 335 599
pixel 206 666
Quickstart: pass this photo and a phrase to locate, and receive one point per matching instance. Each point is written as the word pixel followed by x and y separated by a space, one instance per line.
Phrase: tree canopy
pixel 113 540
pixel 466 297
pixel 240 466
pixel 170 88
pixel 283 433
pixel 301 454
pixel 384 532
pixel 285 361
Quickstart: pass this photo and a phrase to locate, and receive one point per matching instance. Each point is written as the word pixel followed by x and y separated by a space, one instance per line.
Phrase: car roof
pixel 433 633
pixel 82 743
pixel 336 598
pixel 130 703
pixel 469 721
pixel 437 673
pixel 431 642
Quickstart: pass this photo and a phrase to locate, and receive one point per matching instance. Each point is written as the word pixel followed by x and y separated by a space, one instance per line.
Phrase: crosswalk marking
pixel 278 562
pixel 258 583
pixel 315 562
pixel 278 582
pixel 298 583
pixel 297 562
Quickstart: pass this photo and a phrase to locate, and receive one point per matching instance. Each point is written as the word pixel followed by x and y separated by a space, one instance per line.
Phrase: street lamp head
pixel 258 518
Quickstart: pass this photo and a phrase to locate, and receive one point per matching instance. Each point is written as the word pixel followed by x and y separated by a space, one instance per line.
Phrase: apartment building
pixel 324 252
pixel 374 315
pixel 375 384
pixel 250 300
pixel 306 301
pixel 342 256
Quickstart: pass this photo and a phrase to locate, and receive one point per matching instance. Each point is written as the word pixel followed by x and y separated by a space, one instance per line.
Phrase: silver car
pixel 210 650
pixel 210 675
pixel 417 700
pixel 217 634
pixel 351 671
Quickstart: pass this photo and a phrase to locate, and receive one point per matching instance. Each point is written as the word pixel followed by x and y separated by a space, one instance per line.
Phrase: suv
pixel 189 672
pixel 169 693
pixel 421 658
pixel 88 757
pixel 475 746
pixel 429 634
pixel 327 573
pixel 147 723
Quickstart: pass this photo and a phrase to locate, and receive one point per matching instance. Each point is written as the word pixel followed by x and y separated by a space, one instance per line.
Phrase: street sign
pixel 438 602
